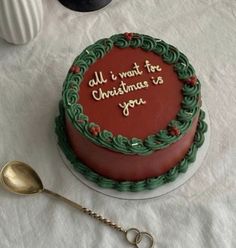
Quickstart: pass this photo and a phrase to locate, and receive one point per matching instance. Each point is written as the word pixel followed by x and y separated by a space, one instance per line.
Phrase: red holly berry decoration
pixel 192 80
pixel 174 131
pixel 128 36
pixel 95 130
pixel 75 69
pixel 81 121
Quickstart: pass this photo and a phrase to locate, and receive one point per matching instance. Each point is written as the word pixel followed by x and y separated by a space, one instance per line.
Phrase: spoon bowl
pixel 20 178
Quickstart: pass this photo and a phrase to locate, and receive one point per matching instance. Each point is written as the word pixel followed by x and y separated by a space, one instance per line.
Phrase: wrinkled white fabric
pixel 201 213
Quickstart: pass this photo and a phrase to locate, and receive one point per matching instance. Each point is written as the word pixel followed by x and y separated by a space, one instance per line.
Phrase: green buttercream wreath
pixel 175 130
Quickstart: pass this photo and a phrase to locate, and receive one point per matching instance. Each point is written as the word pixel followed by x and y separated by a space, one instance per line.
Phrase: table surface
pixel 201 213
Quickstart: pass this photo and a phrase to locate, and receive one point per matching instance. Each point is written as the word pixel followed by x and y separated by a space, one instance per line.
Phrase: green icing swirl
pixel 131 186
pixel 70 97
pixel 183 165
pixel 119 40
pixel 137 41
pixel 105 43
pixel 163 136
pixel 172 174
pixel 89 58
pixel 161 47
pixel 202 127
pixel 189 102
pixel 191 155
pixel 185 115
pixel 202 115
pixel 136 146
pixel 152 143
pixel 171 56
pixel 105 137
pixel 182 63
pixel 189 90
pixel 105 183
pixel 186 73
pixel 155 182
pixel 138 186
pixel 149 43
pixel 199 140
pixel 99 50
pixel 73 85
pixel 119 143
pixel 184 126
pixel 123 186
pixel 82 65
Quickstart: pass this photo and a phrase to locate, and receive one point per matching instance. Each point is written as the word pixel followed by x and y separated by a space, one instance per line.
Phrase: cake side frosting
pixel 175 129
pixel 123 167
pixel 125 185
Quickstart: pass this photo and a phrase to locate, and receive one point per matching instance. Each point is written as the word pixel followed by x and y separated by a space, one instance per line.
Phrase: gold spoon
pixel 20 178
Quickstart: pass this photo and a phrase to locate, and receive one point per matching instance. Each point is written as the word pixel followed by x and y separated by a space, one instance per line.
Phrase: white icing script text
pixel 120 86
pixel 152 68
pixel 97 80
pixel 122 89
pixel 130 104
pixel 132 73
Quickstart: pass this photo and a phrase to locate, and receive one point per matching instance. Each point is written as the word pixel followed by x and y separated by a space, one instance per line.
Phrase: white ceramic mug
pixel 20 20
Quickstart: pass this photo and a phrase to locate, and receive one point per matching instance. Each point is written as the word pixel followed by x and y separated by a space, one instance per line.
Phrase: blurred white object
pixel 20 20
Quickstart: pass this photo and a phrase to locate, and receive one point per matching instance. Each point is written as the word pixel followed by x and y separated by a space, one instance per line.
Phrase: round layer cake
pixel 130 116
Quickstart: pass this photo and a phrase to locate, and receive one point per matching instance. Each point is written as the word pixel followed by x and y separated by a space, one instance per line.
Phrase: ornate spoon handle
pixel 137 236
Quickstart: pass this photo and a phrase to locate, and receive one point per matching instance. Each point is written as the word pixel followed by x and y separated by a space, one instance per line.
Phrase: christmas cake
pixel 130 115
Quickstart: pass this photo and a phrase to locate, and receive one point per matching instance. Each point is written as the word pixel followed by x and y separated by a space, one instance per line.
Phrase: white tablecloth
pixel 202 213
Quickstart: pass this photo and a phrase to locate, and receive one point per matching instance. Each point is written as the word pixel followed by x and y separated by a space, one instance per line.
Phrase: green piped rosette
pixel 190 107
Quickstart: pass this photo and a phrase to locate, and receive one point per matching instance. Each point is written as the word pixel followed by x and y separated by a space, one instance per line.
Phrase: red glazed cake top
pixel 131 92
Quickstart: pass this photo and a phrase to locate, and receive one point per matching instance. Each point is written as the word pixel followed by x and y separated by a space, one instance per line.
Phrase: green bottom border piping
pixel 147 184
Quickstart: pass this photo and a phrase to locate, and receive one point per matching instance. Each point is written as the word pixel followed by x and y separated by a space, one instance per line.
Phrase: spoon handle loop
pixel 138 236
